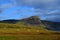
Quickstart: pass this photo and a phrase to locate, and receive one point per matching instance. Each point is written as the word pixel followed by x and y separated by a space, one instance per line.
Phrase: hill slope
pixel 51 25
pixel 33 21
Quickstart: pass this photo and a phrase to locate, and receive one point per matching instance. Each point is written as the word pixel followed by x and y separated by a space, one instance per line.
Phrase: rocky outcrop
pixel 34 20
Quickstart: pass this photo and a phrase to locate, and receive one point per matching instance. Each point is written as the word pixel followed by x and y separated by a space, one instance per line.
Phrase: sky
pixel 19 9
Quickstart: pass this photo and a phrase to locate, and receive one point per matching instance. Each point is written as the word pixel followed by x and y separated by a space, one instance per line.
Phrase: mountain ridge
pixel 34 20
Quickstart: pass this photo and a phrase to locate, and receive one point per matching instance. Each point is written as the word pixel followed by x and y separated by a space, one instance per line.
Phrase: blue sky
pixel 19 9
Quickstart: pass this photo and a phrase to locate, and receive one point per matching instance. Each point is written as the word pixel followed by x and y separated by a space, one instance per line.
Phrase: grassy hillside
pixel 25 29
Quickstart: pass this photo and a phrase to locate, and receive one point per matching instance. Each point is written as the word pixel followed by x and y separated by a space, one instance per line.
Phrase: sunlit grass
pixel 31 37
pixel 20 31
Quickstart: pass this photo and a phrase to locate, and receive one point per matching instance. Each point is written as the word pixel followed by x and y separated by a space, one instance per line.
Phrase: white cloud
pixel 35 2
pixel 40 7
pixel 7 5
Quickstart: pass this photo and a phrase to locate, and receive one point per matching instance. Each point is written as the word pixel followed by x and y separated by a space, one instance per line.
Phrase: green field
pixel 26 32
pixel 31 37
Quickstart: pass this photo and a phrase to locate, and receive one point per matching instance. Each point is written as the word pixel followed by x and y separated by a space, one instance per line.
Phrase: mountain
pixel 13 21
pixel 35 21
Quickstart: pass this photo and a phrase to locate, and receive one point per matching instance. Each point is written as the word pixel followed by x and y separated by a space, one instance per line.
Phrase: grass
pixel 7 38
pixel 31 37
pixel 26 32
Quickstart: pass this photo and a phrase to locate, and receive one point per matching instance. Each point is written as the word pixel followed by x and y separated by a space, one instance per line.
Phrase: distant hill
pixel 13 21
pixel 51 25
pixel 35 20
